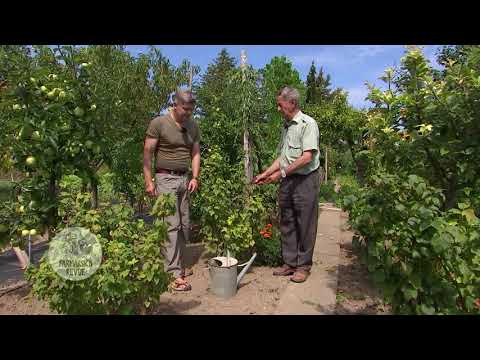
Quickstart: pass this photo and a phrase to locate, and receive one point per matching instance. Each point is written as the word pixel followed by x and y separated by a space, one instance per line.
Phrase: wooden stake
pixel 326 164
pixel 246 135
pixel 191 76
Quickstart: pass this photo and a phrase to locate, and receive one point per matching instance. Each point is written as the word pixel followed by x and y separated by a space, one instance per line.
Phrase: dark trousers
pixel 298 201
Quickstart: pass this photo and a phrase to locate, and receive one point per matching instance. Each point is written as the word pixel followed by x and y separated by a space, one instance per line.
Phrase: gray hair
pixel 290 94
pixel 184 97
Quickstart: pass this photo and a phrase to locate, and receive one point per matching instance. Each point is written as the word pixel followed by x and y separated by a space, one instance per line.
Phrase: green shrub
pixel 327 192
pixel 71 184
pixel 229 213
pixel 348 186
pixel 105 189
pixel 426 261
pixel 130 277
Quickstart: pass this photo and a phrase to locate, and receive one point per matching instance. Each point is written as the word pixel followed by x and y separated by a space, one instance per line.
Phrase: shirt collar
pixel 183 127
pixel 296 119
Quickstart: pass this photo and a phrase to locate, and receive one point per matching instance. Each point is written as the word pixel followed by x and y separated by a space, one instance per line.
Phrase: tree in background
pixel 214 82
pixel 323 84
pixel 279 72
pixel 311 93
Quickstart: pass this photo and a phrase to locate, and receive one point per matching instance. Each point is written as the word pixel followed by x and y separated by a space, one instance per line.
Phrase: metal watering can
pixel 224 280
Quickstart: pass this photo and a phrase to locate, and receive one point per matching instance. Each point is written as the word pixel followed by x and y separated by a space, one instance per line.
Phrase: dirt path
pixel 356 294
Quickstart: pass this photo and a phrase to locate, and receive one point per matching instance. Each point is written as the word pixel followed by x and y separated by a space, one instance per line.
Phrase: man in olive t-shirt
pixel 175 140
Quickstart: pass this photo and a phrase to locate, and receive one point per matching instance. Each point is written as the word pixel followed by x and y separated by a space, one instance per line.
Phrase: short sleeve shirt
pixel 298 135
pixel 174 147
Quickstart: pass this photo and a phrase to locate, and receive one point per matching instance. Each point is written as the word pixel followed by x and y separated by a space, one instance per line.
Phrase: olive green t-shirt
pixel 174 147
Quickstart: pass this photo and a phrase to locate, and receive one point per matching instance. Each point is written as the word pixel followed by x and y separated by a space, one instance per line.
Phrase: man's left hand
pixel 193 185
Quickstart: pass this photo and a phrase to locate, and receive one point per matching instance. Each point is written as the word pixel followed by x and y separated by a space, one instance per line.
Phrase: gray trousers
pixel 298 201
pixel 179 223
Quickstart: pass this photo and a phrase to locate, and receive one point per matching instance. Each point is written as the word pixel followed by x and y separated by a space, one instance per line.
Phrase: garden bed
pixel 258 293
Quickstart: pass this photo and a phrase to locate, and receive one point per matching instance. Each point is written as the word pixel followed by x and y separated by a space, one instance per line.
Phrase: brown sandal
pixel 180 286
pixel 300 276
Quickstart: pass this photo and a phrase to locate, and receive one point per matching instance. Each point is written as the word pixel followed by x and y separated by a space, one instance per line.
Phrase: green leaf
pixel 410 293
pixel 412 221
pixel 440 243
pixel 463 206
pixel 416 280
pixel 470 215
pixel 427 310
pixel 425 225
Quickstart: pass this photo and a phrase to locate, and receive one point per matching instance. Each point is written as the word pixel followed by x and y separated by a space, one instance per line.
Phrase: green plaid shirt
pixel 298 135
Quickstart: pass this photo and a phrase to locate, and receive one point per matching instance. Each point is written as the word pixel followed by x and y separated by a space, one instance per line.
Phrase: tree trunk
pixel 246 134
pixel 84 186
pixel 326 164
pixel 451 193
pixel 360 169
pixel 52 195
pixel 131 200
pixel 94 192
pixel 247 159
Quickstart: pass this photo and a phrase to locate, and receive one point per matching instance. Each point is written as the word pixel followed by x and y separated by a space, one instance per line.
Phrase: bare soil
pixel 258 294
pixel 356 293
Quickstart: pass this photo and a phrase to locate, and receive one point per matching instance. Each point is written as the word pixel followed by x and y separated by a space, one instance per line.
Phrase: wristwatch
pixel 282 171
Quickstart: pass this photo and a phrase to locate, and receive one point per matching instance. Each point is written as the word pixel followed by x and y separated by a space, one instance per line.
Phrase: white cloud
pixel 341 55
pixel 323 56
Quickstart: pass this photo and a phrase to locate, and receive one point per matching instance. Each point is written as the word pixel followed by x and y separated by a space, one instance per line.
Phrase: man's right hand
pixel 150 189
pixel 259 179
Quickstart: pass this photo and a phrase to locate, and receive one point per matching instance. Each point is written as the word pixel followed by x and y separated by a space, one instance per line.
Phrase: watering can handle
pixel 242 273
pixel 251 259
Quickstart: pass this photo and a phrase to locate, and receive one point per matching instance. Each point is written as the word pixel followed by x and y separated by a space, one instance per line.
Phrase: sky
pixel 349 66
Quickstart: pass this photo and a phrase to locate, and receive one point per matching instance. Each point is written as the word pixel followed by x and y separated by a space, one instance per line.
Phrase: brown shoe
pixel 285 270
pixel 300 276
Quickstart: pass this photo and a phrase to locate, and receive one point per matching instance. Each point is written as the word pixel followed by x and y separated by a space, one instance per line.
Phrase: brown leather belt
pixel 171 172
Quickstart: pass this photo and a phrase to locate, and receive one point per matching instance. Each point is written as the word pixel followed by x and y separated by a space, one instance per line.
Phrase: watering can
pixel 224 280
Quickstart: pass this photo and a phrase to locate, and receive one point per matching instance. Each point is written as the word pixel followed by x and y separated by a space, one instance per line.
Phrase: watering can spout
pixel 245 269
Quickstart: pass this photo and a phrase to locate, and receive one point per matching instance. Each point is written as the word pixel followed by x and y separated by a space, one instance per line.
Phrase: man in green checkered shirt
pixel 297 170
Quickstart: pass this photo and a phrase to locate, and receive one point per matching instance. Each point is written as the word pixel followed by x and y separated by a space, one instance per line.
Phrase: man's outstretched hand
pixel 264 179
pixel 259 179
